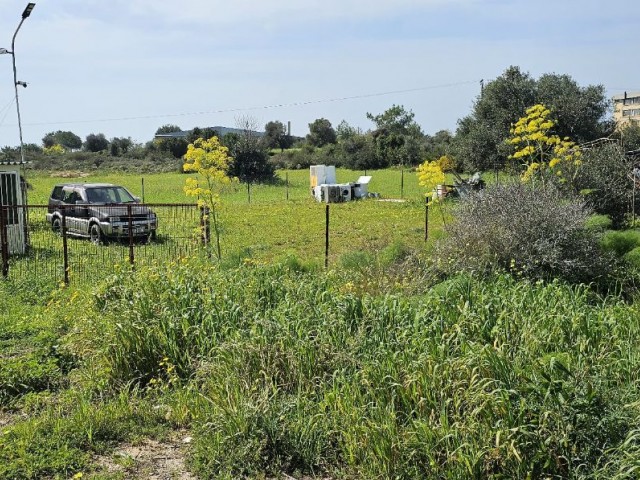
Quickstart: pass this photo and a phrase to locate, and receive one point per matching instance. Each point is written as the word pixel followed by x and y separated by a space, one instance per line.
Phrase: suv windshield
pixel 109 195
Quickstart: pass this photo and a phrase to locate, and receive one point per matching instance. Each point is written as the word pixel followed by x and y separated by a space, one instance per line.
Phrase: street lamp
pixel 12 52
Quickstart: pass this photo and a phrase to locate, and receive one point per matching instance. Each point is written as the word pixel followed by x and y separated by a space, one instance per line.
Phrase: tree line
pixel 479 142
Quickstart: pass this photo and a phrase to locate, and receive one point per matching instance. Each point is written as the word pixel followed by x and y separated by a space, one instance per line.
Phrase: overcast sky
pixel 125 67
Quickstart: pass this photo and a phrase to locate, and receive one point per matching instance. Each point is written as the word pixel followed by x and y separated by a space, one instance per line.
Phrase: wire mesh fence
pixel 86 242
pixel 82 243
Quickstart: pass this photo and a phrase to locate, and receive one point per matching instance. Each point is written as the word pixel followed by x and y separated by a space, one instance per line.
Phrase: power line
pixel 263 107
pixel 6 107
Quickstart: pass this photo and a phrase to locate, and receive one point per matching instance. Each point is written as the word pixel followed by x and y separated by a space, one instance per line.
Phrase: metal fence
pixel 36 242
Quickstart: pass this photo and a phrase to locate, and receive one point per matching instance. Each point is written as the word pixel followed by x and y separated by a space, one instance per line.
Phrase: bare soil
pixel 150 459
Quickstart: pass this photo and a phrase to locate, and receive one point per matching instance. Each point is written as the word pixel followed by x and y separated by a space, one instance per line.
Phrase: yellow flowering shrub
pixel 540 151
pixel 55 149
pixel 210 161
pixel 430 174
pixel 446 163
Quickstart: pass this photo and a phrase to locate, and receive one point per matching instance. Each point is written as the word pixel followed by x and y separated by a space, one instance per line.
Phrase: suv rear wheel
pixel 56 226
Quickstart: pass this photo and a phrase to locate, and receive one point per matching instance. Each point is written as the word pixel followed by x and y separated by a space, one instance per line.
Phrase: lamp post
pixel 25 15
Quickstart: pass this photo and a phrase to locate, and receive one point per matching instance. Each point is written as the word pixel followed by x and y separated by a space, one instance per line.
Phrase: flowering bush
pixel 430 174
pixel 540 151
pixel 210 160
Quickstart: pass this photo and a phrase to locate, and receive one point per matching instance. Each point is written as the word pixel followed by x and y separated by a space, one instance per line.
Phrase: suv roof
pixel 86 185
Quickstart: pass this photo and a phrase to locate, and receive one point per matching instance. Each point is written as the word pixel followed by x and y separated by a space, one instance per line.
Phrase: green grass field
pixel 168 187
pixel 269 227
pixel 266 365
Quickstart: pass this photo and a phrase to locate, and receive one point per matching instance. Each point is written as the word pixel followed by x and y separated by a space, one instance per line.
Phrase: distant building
pixel 626 108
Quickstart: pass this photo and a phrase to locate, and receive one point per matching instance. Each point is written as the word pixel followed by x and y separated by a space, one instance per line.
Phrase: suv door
pixel 69 197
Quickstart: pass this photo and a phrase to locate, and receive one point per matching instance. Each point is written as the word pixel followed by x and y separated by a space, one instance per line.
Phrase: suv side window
pixel 70 196
pixel 57 192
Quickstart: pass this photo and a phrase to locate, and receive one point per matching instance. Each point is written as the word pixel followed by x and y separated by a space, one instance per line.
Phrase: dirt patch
pixel 69 174
pixel 8 418
pixel 150 459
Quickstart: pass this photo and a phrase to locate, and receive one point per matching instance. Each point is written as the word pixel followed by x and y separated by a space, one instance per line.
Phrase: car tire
pixel 95 234
pixel 56 226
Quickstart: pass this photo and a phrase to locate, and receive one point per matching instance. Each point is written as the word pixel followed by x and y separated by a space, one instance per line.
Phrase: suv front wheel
pixel 95 234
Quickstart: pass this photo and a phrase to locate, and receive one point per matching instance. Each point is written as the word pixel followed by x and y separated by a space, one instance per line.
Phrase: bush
pixel 633 258
pixel 598 223
pixel 621 242
pixel 533 231
pixel 603 178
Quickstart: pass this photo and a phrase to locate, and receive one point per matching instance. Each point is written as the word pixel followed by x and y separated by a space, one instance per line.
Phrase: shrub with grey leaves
pixel 530 230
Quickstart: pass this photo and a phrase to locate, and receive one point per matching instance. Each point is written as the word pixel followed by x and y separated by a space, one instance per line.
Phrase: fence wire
pixel 45 245
pixel 35 246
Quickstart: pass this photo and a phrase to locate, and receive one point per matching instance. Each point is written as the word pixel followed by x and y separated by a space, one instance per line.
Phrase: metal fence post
pixel 426 219
pixel 287 184
pixel 402 183
pixel 65 247
pixel 248 191
pixel 4 241
pixel 326 238
pixel 205 229
pixel 131 256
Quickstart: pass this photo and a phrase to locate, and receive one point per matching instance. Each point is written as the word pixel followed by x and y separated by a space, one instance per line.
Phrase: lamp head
pixel 28 9
pixel 22 84
pixel 4 50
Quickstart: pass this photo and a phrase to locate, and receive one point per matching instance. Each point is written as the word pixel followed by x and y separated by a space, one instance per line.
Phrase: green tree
pixel 579 113
pixel 120 146
pixel 438 144
pixel 480 138
pixel 629 137
pixel 168 128
pixel 276 136
pixel 205 133
pixel 344 131
pixel 176 146
pixel 321 133
pixel 250 154
pixel 66 139
pixel 398 138
pixel 96 142
pixel 358 152
pixel 396 120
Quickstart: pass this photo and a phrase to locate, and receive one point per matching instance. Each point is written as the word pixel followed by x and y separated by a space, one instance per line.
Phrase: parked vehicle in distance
pixel 100 211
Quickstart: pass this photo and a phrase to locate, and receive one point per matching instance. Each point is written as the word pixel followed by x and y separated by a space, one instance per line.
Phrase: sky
pixel 125 67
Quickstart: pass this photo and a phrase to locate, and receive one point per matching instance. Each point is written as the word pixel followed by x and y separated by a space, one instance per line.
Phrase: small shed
pixel 13 211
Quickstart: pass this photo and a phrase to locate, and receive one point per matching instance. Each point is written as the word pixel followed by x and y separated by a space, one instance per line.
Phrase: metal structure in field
pixel 13 214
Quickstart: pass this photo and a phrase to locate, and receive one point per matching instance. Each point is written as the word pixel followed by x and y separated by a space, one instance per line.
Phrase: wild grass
pixel 281 371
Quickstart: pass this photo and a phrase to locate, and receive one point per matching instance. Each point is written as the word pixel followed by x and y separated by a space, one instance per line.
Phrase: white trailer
pixel 13 212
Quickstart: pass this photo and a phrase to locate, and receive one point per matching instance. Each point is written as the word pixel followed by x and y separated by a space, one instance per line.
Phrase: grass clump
pixel 598 222
pixel 621 242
